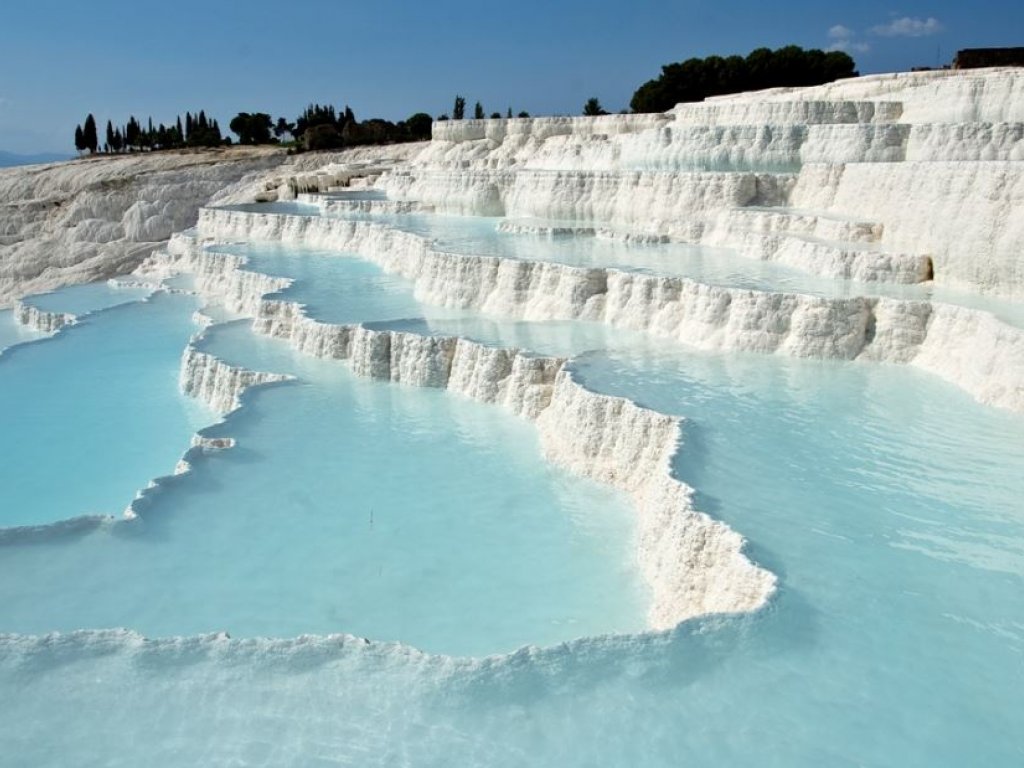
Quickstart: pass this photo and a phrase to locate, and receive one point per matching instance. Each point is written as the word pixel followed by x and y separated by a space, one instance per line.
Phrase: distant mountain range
pixel 8 159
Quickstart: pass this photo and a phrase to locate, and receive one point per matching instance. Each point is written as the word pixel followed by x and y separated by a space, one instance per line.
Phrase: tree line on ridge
pixel 322 126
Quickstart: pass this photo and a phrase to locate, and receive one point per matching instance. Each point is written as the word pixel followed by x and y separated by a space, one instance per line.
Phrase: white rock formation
pixel 94 218
pixel 218 384
pixel 320 172
pixel 91 219
pixel 891 178
pixel 694 564
pixel 40 320
pixel 930 163
pixel 683 310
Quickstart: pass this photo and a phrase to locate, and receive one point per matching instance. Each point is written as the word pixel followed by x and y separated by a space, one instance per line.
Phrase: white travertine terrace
pixel 96 218
pixel 955 343
pixel 218 384
pixel 693 564
pixel 894 178
pixel 930 163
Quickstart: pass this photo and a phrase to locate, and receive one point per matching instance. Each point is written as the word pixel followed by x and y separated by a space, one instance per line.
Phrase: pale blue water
pixel 887 502
pixel 896 638
pixel 342 288
pixel 91 415
pixel 86 298
pixel 714 266
pixel 346 507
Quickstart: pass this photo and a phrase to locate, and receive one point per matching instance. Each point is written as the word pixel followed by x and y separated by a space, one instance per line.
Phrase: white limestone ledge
pixel 40 320
pixel 694 565
pixel 679 309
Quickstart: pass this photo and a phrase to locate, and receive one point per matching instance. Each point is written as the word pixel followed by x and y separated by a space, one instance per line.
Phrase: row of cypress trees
pixel 195 131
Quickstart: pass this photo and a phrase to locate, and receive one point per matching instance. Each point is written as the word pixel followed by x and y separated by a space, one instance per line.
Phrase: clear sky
pixel 60 60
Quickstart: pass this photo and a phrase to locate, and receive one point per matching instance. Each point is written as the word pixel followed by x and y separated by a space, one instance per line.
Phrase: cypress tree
pixel 131 132
pixel 478 111
pixel 110 135
pixel 89 134
pixel 459 110
pixel 79 139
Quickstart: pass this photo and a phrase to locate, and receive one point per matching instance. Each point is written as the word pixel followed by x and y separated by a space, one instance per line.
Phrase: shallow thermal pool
pixel 480 235
pixel 887 502
pixel 91 415
pixel 342 288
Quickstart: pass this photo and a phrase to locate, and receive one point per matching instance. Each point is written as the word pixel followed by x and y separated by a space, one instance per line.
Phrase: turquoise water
pixel 714 266
pixel 86 298
pixel 346 507
pixel 88 417
pixel 887 502
pixel 341 288
pixel 896 638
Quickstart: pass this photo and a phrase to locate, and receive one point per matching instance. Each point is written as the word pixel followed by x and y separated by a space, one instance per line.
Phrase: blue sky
pixel 61 60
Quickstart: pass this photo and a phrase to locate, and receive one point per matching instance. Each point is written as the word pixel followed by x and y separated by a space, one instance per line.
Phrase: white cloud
pixel 908 27
pixel 842 37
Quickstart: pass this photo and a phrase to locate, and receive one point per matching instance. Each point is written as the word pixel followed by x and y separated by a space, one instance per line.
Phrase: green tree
pixel 323 136
pixel 593 108
pixel 418 126
pixel 697 79
pixel 131 132
pixel 459 110
pixel 251 128
pixel 478 111
pixel 110 136
pixel 283 127
pixel 89 134
pixel 79 139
